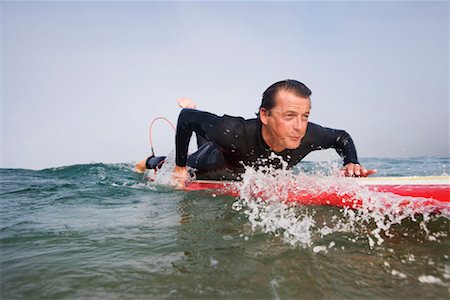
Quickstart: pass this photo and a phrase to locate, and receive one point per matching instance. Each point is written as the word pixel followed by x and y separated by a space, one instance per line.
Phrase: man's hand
pixel 179 177
pixel 356 170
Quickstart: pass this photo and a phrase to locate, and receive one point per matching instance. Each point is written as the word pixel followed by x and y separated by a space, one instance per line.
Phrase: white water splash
pixel 398 274
pixel 164 174
pixel 163 177
pixel 264 198
pixel 430 279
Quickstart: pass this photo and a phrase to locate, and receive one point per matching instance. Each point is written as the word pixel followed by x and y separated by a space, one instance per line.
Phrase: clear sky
pixel 81 81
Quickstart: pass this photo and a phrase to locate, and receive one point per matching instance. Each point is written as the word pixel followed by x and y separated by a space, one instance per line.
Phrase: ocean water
pixel 101 231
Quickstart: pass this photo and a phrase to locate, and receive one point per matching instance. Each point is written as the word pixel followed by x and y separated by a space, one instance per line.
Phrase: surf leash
pixel 150 131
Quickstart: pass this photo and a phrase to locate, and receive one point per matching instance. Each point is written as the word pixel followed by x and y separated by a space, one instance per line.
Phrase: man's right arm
pixel 189 121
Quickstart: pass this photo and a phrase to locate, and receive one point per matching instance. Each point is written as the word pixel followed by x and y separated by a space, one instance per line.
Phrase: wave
pixel 92 181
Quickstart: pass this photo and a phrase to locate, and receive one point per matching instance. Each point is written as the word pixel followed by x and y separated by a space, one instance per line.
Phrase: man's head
pixel 295 87
pixel 284 113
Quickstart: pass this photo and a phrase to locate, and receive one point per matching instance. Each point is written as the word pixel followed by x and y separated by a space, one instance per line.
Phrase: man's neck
pixel 268 139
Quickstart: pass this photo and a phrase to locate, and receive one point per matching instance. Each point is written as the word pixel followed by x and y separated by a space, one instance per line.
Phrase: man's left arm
pixel 342 142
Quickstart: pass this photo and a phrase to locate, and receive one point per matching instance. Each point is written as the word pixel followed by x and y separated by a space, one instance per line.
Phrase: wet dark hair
pixel 289 85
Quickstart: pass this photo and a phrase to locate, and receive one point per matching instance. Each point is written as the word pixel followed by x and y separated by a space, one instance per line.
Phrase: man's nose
pixel 298 124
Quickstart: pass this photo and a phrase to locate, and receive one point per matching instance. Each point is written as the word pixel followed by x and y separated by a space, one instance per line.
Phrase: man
pixel 280 135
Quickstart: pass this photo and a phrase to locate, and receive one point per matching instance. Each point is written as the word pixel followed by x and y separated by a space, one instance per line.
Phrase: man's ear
pixel 263 115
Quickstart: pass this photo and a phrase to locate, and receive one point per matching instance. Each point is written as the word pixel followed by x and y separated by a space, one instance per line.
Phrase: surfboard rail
pixel 430 190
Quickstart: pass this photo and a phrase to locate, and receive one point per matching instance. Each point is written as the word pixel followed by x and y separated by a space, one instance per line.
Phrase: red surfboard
pixel 413 192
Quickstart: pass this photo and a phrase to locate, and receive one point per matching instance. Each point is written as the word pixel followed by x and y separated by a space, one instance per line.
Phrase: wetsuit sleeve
pixel 189 121
pixel 319 137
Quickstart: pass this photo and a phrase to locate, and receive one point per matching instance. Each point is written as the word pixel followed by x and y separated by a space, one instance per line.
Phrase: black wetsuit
pixel 228 143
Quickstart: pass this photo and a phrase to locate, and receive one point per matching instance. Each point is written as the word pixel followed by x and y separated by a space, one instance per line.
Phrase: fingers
pixel 372 171
pixel 365 172
pixel 179 177
pixel 356 170
pixel 178 182
pixel 349 170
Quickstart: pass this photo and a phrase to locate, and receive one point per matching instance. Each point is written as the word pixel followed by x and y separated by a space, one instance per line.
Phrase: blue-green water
pixel 101 231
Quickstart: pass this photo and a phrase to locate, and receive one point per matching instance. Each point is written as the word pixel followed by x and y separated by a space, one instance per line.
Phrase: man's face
pixel 285 124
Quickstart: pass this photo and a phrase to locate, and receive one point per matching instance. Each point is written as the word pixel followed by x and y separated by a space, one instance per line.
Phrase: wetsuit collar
pixel 261 141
